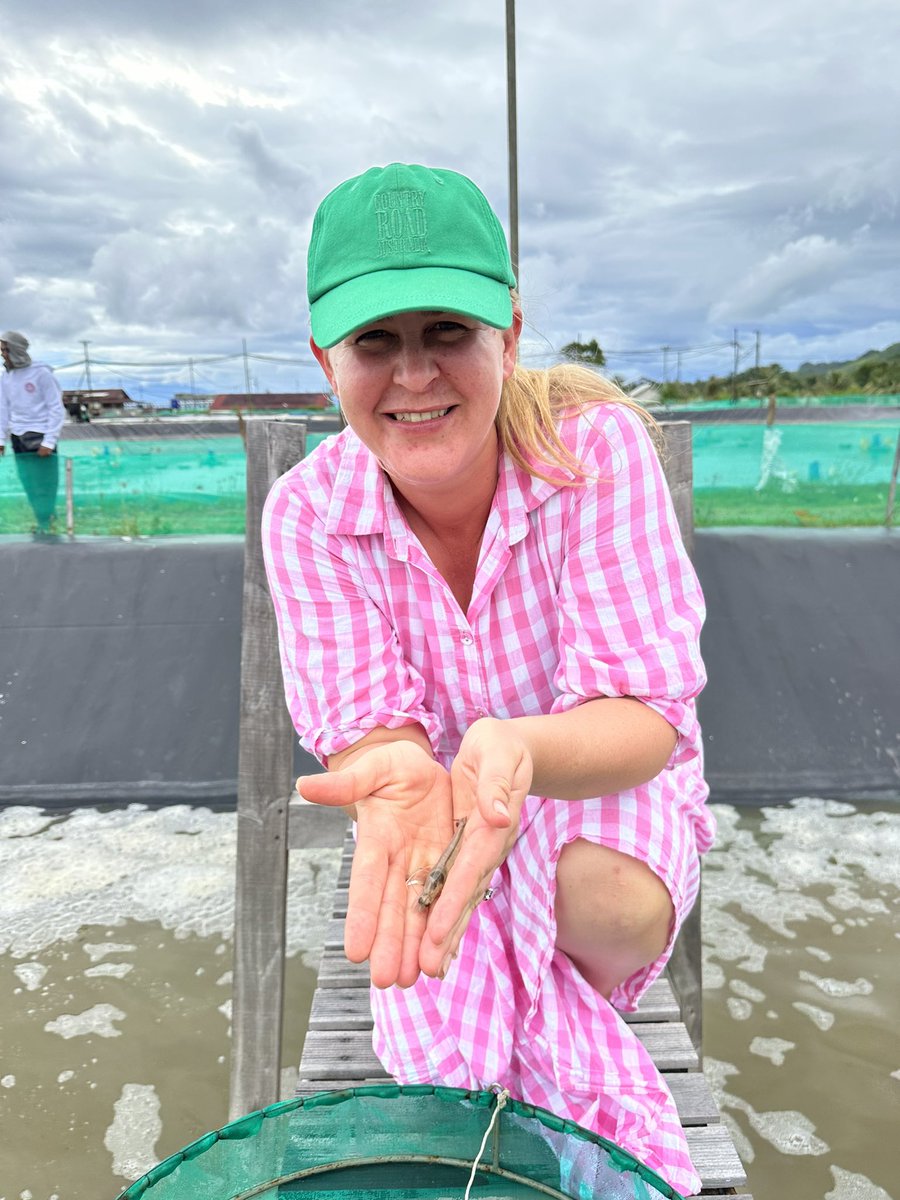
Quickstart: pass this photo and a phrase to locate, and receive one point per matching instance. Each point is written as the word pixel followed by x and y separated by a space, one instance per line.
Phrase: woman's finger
pixel 386 957
pixel 368 876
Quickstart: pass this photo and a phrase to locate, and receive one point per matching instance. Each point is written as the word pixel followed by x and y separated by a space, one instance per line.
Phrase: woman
pixel 486 614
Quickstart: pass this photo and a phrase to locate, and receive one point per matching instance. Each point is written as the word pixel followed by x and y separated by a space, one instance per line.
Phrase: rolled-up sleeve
pixel 631 607
pixel 343 670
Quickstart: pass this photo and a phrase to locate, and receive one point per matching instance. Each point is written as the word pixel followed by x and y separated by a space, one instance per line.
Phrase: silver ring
pixel 488 894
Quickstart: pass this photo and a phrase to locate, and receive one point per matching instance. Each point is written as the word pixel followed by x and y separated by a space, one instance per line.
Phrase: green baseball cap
pixel 405 238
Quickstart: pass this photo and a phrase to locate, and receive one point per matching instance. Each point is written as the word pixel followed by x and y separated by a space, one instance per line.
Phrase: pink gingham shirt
pixel 580 592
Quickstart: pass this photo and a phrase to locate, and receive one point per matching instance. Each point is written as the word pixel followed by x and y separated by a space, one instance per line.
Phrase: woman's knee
pixel 605 899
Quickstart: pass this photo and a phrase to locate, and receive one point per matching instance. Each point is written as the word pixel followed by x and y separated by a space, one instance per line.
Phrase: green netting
pixel 404 1142
pixel 139 483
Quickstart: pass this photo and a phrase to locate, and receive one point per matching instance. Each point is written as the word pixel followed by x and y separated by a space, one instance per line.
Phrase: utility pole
pixel 734 369
pixel 191 371
pixel 512 138
pixel 665 351
pixel 247 375
pixel 87 364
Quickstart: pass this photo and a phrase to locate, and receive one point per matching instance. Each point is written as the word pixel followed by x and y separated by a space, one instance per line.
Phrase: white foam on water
pixel 114 970
pixel 8 1081
pixel 31 974
pixel 740 1010
pixel 97 1020
pixel 820 1017
pixel 789 1132
pixel 774 1049
pixel 97 950
pixel 821 955
pixel 131 1138
pixel 848 1186
pixel 838 988
pixel 740 987
pixel 65 1076
pixel 174 865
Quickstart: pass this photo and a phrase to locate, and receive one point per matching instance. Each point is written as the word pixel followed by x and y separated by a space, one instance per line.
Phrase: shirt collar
pixel 363 502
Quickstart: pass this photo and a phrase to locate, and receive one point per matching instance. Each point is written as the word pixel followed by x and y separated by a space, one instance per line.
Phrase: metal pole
pixel 87 364
pixel 70 500
pixel 512 138
pixel 247 390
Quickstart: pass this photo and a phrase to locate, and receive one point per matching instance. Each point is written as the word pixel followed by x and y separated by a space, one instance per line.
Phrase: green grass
pixel 138 516
pixel 811 505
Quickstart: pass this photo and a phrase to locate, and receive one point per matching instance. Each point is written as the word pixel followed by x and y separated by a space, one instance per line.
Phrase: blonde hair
pixel 532 403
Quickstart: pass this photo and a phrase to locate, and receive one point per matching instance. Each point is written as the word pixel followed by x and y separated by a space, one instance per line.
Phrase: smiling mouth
pixel 415 418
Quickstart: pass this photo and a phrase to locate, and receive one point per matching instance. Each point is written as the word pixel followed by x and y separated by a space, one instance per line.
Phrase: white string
pixel 502 1097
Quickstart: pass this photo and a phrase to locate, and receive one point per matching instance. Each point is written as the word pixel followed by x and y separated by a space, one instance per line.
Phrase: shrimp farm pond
pixel 115 989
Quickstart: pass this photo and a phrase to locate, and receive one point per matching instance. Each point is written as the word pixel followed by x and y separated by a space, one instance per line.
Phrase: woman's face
pixel 421 390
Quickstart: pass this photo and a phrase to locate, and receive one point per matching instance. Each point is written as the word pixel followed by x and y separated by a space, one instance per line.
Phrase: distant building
pixel 99 402
pixel 646 393
pixel 269 401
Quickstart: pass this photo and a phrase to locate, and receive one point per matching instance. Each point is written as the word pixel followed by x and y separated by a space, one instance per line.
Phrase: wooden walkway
pixel 337 1052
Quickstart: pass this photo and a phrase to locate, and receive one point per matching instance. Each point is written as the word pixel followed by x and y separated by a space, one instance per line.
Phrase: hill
pixel 877 372
pixel 871 356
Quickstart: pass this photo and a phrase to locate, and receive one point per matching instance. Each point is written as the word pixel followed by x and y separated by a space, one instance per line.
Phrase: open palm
pixel 404 822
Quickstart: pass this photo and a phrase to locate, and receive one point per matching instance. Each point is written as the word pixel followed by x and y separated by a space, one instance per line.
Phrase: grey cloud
pixel 682 167
pixel 268 166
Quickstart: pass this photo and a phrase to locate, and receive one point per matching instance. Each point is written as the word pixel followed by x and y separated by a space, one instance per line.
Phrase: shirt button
pixel 481 712
pixel 466 639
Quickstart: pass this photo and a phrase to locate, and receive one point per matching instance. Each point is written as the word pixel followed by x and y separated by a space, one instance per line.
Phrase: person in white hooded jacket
pixel 31 415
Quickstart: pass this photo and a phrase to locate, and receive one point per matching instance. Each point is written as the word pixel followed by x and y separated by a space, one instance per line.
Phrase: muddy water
pixel 115 959
pixel 802 996
pixel 115 990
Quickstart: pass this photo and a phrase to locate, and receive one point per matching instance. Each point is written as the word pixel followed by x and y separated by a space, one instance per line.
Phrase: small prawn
pixel 437 876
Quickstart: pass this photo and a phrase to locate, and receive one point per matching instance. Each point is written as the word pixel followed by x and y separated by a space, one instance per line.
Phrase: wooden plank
pixel 347 1007
pixel 715 1157
pixel 265 759
pixel 348 1053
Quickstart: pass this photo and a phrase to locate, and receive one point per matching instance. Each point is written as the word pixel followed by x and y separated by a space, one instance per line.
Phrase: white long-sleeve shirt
pixel 31 401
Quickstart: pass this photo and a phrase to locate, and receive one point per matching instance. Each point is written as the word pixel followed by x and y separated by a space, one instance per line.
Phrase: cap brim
pixel 368 298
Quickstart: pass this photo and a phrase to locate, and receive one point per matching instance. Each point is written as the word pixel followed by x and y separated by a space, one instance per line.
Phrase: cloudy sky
pixel 686 169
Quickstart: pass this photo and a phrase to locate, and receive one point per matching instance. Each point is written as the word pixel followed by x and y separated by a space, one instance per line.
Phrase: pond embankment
pixel 120 665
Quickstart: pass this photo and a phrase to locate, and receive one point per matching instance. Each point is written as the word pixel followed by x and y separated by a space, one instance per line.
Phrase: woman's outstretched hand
pixel 407 808
pixel 404 821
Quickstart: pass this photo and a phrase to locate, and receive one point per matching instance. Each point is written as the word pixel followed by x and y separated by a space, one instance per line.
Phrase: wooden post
pixel 265 761
pixel 686 963
pixel 70 500
pixel 892 487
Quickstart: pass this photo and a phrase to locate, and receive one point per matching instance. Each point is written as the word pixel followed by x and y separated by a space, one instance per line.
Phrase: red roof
pixel 106 396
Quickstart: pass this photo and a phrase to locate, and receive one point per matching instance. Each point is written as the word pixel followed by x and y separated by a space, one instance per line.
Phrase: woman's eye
pixel 372 337
pixel 449 329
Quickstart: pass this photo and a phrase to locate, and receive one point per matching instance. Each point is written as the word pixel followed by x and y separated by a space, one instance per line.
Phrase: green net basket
pixel 405 1143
